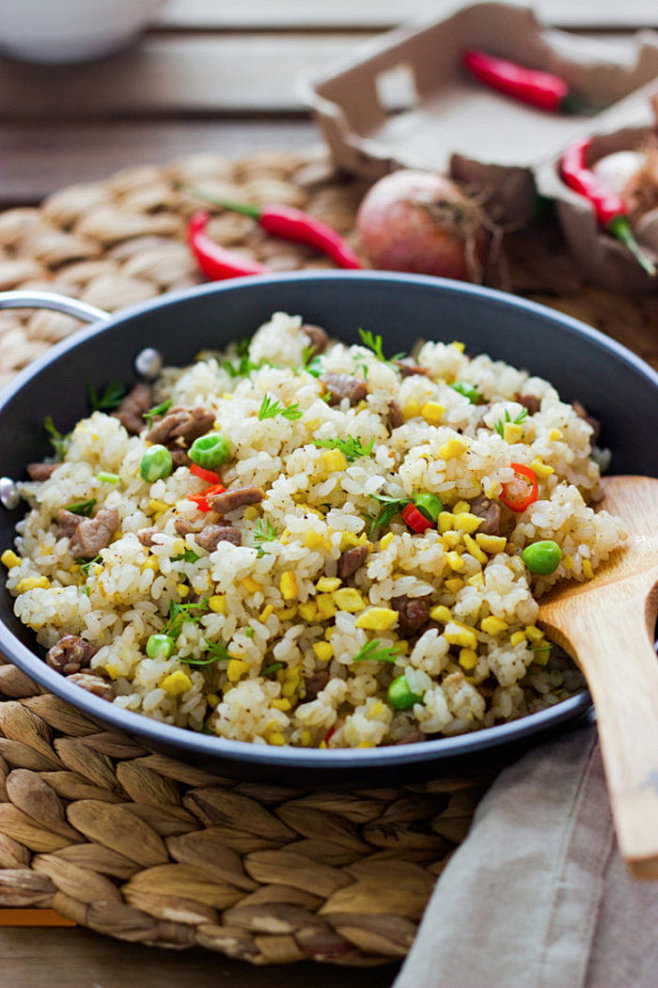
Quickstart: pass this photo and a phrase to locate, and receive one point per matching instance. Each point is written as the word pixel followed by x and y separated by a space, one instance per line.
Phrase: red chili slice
pixel 201 500
pixel 520 492
pixel 207 475
pixel 416 521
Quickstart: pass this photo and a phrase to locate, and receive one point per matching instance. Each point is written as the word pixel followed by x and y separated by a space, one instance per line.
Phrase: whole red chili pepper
pixel 610 209
pixel 216 261
pixel 542 89
pixel 295 225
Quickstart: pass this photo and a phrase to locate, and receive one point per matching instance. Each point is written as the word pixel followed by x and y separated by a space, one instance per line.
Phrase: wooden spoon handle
pixel 613 643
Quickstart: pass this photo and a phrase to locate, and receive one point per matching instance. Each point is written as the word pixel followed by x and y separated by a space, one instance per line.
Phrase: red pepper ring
pixel 416 520
pixel 201 500
pixel 522 491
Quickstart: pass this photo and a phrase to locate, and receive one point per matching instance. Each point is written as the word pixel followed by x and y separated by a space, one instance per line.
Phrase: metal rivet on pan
pixel 148 363
pixel 9 496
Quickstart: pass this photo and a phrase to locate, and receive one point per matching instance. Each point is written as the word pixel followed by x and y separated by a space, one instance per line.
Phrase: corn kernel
pixel 348 540
pixel 466 522
pixel 454 584
pixel 385 542
pixel 283 703
pixel 176 683
pixel 541 469
pixel 555 435
pixel 250 512
pixel 212 699
pixel 477 580
pixel 432 412
pixel 326 606
pixel 533 633
pixel 567 562
pixel 9 559
pixel 475 549
pixel 32 583
pixel 493 625
pixel 441 613
pixel 542 655
pixel 375 709
pixel 307 611
pixel 306 738
pixel 491 543
pixel 452 449
pixel 182 589
pixel 286 613
pixel 217 603
pixel 327 583
pixel 456 633
pixel 334 461
pixel 313 540
pixel 460 507
pixel 451 540
pixel 349 599
pixel 235 669
pixel 151 563
pixel 288 585
pixel 265 613
pixel 289 687
pixel 445 521
pixel 251 585
pixel 157 508
pixel 588 571
pixel 112 672
pixel 275 737
pixel 323 651
pixel 455 561
pixel 468 658
pixel 513 432
pixel 411 410
pixel 377 619
pixel 402 646
pixel 517 638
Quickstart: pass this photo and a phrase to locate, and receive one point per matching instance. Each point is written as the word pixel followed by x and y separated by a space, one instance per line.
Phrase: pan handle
pixel 51 300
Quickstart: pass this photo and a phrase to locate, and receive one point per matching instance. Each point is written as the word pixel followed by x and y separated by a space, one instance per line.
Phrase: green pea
pixel 399 694
pixel 156 463
pixel 159 646
pixel 429 505
pixel 209 451
pixel 468 391
pixel 542 557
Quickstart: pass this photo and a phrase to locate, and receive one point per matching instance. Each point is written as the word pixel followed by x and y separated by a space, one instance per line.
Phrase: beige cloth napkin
pixel 537 896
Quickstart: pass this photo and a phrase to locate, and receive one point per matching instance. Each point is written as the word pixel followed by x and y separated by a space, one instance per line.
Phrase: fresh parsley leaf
pixel 86 566
pixel 156 410
pixel 375 344
pixel 468 391
pixel 311 361
pixel 274 667
pixel 214 652
pixel 84 508
pixel 180 613
pixel 187 556
pixel 352 447
pixel 109 399
pixel 372 652
pixel 59 441
pixel 392 507
pixel 500 424
pixel 264 535
pixel 270 408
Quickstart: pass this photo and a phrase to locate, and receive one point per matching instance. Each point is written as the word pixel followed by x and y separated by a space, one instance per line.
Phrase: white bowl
pixel 62 31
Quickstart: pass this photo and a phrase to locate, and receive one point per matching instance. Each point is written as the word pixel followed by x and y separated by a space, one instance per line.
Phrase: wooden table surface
pixel 209 76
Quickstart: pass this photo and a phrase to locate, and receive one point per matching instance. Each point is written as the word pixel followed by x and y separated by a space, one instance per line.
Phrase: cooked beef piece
pixel 146 537
pixel 70 654
pixel 185 526
pixel 582 413
pixel 413 737
pixel 408 367
pixel 395 417
pixel 350 560
pixel 41 471
pixel 130 412
pixel 210 537
pixel 93 684
pixel 531 402
pixel 341 386
pixel 239 497
pixel 317 337
pixel 414 613
pixel 93 534
pixel 179 457
pixel 67 523
pixel 315 682
pixel 488 510
pixel 186 424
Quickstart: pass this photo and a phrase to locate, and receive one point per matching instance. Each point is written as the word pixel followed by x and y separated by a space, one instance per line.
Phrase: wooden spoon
pixel 608 624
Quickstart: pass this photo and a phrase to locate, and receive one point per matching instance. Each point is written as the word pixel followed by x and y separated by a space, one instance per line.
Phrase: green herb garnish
pixel 60 442
pixel 501 423
pixel 375 344
pixel 86 566
pixel 215 652
pixel 156 410
pixel 180 613
pixel 274 667
pixel 352 448
pixel 311 361
pixel 109 399
pixel 270 407
pixel 187 556
pixel 264 535
pixel 372 652
pixel 392 507
pixel 82 507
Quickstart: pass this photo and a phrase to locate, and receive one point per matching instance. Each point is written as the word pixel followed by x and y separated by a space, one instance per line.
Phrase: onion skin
pixel 422 222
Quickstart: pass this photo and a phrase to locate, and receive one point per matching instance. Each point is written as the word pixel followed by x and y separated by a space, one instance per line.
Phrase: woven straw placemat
pixel 148 849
